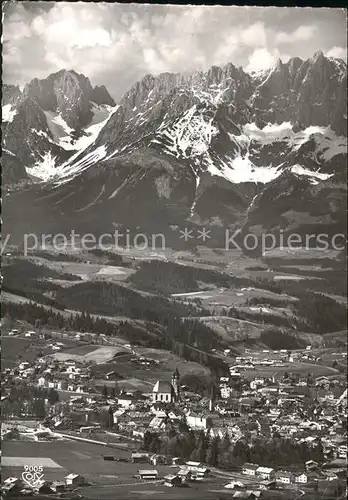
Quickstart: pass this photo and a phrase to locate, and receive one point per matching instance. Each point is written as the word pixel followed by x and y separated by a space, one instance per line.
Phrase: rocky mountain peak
pixel 318 57
pixel 101 96
pixel 69 93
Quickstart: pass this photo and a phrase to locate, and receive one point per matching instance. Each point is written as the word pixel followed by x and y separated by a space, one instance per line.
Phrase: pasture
pixel 87 353
pixel 232 297
pixel 296 367
pixel 17 349
pixel 134 375
pixel 77 457
pixel 87 271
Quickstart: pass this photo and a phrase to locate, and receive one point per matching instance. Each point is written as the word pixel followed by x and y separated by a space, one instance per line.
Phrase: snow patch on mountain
pixel 240 169
pixel 270 133
pixel 8 113
pixel 314 176
pixel 327 143
pixel 62 133
pixel 67 171
pixel 188 137
pixel 44 168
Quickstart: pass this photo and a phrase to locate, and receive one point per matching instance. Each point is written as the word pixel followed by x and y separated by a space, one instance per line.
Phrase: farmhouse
pixel 185 475
pixel 249 469
pixel 301 478
pixel 172 480
pixel 265 472
pixel 148 474
pixel 284 477
pixel 140 457
pixel 74 480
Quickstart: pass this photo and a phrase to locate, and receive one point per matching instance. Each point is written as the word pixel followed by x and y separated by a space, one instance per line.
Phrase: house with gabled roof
pixel 249 469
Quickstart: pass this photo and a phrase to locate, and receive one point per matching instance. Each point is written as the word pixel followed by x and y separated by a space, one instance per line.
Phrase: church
pixel 166 392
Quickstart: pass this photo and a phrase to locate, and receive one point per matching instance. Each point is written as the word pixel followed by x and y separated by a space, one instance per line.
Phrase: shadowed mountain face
pixel 221 148
pixel 40 125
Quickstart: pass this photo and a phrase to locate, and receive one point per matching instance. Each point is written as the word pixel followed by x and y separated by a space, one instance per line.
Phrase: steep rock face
pixel 70 94
pixel 27 136
pixel 36 122
pixel 100 95
pixel 311 92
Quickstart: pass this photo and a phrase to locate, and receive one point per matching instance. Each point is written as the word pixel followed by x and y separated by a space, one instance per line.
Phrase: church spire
pixel 175 383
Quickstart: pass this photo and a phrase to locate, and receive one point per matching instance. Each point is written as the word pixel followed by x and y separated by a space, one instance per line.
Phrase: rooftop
pixel 162 386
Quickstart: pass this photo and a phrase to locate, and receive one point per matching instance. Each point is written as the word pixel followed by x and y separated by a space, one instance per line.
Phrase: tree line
pixel 223 452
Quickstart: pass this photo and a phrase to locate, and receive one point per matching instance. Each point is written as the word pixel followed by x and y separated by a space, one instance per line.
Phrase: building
pixel 249 469
pixel 125 401
pixel 301 478
pixel 175 384
pixel 140 457
pixel 284 477
pixel 148 475
pixel 265 472
pixel 185 475
pixel 74 480
pixel 172 480
pixel 158 459
pixel 198 421
pixel 342 451
pixel 163 392
pixel 178 461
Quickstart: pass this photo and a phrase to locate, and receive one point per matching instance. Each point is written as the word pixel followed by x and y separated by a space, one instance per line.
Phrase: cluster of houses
pixel 312 472
pixel 52 374
pixel 186 471
pixel 13 486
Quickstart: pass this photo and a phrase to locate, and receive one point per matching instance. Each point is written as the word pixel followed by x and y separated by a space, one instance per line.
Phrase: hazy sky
pixel 117 44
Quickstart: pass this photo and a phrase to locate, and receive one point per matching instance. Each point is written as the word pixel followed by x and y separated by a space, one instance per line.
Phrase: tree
pixel 107 418
pixel 39 408
pixel 111 417
pixel 213 451
pixel 240 452
pixel 53 396
pixel 147 440
pixel 199 454
pixel 105 391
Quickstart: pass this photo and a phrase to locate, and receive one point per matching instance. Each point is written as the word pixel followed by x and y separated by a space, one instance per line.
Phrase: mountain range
pixel 221 148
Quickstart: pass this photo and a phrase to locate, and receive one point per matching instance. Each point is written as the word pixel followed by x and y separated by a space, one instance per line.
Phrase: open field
pixel 86 270
pixel 34 461
pixel 278 371
pixel 17 349
pixel 301 253
pixel 134 373
pixel 159 491
pixel 87 353
pixel 78 457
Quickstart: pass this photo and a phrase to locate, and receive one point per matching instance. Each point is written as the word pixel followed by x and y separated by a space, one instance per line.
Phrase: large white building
pixel 163 392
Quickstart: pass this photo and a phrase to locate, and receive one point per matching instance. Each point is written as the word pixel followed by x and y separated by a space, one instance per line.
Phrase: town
pixel 247 435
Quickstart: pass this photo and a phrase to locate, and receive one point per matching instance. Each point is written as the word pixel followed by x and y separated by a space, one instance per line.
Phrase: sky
pixel 118 44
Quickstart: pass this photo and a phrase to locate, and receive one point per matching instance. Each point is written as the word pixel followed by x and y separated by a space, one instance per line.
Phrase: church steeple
pixel 175 383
